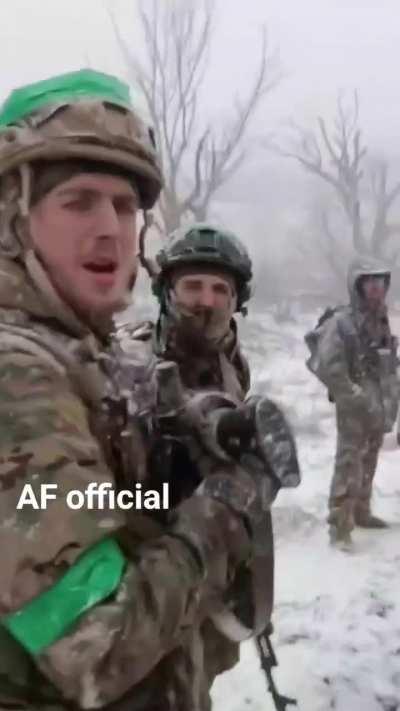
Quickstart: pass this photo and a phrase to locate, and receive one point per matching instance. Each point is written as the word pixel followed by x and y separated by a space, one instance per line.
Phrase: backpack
pixel 312 339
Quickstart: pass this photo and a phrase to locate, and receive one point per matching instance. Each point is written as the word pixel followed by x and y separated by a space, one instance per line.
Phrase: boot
pixel 341 524
pixel 365 519
pixel 340 538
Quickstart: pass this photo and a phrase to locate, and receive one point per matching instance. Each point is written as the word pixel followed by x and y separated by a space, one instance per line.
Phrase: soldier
pixel 98 608
pixel 203 279
pixel 357 355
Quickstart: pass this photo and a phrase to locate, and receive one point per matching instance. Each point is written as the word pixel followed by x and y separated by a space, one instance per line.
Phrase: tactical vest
pixel 256 583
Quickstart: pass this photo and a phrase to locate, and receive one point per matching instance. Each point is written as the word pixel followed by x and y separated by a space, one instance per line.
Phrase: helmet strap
pixel 148 264
pixel 14 211
pixel 24 200
pixel 21 228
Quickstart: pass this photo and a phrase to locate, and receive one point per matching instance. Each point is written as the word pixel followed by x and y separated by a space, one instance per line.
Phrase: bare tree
pixel 319 241
pixel 330 242
pixel 338 157
pixel 197 159
pixel 384 198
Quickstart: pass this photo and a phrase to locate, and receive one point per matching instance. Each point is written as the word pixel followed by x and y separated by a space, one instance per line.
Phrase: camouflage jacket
pixel 141 648
pixel 226 371
pixel 350 344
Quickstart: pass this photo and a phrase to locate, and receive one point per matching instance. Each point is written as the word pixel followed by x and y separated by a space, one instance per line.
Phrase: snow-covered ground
pixel 337 615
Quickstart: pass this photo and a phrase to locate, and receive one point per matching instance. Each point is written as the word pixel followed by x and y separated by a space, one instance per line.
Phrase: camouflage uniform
pixel 203 366
pixel 224 369
pixel 351 367
pixel 205 361
pixel 139 646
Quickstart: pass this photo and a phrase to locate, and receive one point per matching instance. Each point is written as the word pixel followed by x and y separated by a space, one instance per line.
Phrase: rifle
pixel 222 435
pixel 192 420
pixel 260 438
pixel 268 661
pixel 204 421
pixel 272 457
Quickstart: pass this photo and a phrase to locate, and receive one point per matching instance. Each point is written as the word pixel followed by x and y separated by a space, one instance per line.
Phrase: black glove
pixel 236 430
pixel 259 430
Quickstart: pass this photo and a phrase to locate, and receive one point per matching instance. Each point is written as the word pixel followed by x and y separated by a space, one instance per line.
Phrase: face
pixel 199 291
pixel 84 231
pixel 374 289
pixel 204 303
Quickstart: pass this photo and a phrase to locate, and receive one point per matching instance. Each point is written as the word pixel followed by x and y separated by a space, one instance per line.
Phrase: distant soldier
pixel 356 359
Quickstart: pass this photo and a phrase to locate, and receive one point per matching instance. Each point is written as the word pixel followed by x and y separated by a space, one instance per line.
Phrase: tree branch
pixel 341 168
pixel 196 160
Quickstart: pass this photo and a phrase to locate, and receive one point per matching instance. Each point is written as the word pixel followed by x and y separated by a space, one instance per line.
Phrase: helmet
pixel 364 266
pixel 208 245
pixel 83 114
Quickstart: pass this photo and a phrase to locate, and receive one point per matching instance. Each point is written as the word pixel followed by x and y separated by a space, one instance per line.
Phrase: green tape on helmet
pixel 64 88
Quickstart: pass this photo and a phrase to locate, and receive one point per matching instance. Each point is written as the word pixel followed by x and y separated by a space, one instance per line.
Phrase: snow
pixel 337 615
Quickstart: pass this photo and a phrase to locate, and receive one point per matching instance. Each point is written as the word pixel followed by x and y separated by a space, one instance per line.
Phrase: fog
pixel 325 46
pixel 336 617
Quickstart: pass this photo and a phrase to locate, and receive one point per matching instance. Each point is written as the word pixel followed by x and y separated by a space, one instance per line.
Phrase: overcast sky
pixel 324 45
pixel 330 44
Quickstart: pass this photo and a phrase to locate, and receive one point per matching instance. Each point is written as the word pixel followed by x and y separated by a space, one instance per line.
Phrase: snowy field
pixel 337 615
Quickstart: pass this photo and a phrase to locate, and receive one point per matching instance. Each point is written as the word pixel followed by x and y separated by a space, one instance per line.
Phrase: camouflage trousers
pixel 359 439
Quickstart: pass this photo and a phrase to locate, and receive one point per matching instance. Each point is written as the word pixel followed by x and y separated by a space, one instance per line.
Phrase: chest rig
pixel 128 405
pixel 114 381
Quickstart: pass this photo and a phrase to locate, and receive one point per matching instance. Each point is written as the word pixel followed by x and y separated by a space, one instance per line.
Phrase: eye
pixel 221 289
pixel 125 206
pixel 192 286
pixel 80 203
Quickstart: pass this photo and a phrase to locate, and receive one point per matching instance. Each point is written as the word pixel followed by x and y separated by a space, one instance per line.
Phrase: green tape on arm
pixel 95 575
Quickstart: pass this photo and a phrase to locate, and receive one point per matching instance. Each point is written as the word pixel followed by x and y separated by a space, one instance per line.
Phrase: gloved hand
pixel 236 430
pixel 259 436
pixel 224 515
pixel 213 532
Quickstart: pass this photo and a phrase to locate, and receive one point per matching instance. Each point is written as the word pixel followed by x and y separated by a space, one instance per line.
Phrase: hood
pixel 27 288
pixel 364 266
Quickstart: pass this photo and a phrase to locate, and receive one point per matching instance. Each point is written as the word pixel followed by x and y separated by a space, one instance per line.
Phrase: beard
pixel 202 330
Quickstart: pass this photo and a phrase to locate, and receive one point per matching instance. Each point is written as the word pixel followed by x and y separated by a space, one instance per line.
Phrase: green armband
pixel 95 575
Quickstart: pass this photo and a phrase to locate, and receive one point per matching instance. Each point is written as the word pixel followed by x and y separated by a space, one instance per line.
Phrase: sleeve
pixel 45 438
pixel 333 361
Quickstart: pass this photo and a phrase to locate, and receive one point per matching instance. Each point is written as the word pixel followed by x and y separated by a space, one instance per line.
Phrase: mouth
pixel 101 266
pixel 102 270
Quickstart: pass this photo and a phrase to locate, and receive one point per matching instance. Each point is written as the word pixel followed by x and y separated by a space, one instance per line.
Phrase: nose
pixel 207 297
pixel 107 219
